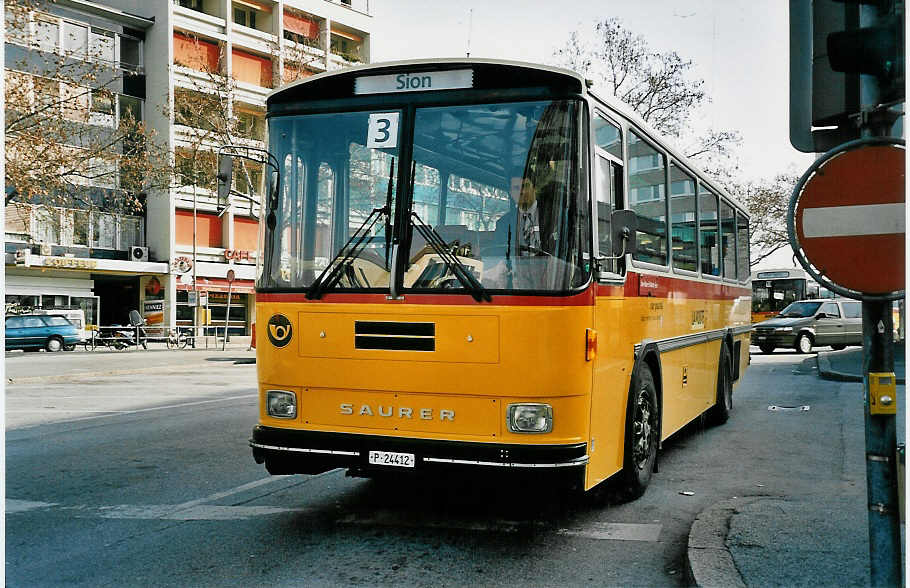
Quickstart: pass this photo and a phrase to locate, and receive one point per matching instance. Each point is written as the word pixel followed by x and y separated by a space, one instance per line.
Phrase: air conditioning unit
pixel 24 257
pixel 139 253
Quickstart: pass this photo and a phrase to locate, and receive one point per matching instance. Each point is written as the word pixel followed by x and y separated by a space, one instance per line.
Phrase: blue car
pixel 35 331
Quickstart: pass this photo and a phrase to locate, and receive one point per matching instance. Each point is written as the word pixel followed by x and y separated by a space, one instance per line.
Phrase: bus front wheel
pixel 642 430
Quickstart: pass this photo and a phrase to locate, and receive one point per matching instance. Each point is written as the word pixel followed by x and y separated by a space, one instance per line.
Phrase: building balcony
pixel 199 23
pixel 252 39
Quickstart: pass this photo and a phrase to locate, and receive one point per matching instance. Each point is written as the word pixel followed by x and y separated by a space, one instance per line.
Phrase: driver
pixel 520 226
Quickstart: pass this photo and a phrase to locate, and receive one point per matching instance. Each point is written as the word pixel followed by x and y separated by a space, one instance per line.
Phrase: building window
pixel 75 39
pixel 101 45
pixel 245 17
pixel 130 53
pixel 47 34
pixel 191 4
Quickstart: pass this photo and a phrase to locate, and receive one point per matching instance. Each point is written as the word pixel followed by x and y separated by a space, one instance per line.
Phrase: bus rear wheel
pixel 642 430
pixel 720 412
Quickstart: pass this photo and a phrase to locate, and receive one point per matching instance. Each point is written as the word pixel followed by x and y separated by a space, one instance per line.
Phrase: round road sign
pixel 849 215
pixel 230 275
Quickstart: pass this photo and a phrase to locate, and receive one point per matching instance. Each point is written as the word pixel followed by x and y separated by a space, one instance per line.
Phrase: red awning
pixel 301 25
pixel 219 285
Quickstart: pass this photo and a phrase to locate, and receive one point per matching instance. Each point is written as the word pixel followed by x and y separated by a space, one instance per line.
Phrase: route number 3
pixel 383 130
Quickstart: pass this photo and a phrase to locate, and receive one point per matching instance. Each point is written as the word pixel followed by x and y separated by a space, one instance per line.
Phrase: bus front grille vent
pixel 394 336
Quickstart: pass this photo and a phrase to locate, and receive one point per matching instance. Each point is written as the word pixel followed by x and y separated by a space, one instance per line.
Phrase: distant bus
pixel 774 289
pixel 479 266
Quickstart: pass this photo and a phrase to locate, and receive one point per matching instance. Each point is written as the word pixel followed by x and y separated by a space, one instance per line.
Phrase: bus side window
pixel 648 198
pixel 708 231
pixel 742 246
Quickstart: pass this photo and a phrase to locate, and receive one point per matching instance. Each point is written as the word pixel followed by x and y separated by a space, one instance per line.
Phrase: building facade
pixel 174 263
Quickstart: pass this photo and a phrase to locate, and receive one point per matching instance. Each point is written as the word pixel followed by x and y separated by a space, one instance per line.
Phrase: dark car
pixel 35 331
pixel 808 323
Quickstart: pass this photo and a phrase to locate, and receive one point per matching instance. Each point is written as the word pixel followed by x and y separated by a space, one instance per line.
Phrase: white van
pixel 75 316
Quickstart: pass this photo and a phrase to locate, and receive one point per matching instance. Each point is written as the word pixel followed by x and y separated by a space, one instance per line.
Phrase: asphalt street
pixel 144 478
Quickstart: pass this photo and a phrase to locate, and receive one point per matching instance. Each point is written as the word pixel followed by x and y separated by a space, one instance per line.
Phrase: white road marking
pixel 204 512
pixel 13 506
pixel 616 531
pixel 854 221
pixel 596 530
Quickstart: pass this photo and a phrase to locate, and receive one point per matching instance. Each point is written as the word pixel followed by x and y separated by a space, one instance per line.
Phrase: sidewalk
pixel 777 540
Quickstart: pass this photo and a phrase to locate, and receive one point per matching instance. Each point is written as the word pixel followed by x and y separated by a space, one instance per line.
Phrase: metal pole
pixel 227 316
pixel 878 357
pixel 195 289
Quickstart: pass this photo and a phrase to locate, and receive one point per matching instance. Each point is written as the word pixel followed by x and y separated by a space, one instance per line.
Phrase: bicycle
pixel 180 339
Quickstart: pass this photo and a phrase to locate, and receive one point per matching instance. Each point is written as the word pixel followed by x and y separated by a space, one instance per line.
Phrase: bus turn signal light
pixel 590 344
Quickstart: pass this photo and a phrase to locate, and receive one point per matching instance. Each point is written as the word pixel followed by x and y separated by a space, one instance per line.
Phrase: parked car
pixel 805 324
pixel 34 331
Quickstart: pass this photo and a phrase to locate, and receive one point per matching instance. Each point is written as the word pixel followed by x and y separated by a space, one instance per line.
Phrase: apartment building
pixel 189 243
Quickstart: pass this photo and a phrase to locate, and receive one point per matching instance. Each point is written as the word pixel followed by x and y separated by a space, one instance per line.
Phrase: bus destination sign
pixel 415 82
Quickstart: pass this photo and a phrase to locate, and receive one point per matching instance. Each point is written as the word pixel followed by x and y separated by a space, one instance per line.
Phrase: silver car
pixel 809 323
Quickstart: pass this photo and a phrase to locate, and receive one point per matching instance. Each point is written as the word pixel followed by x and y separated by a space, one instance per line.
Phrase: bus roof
pixel 570 78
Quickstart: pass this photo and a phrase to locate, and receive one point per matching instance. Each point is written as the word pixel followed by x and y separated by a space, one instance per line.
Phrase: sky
pixel 739 48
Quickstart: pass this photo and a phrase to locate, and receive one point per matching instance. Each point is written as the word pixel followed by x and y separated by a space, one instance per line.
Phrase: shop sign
pixel 238 254
pixel 222 298
pixel 153 312
pixel 181 265
pixel 70 262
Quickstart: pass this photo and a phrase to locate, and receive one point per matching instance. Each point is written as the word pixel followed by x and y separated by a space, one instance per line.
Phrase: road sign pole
pixel 881 446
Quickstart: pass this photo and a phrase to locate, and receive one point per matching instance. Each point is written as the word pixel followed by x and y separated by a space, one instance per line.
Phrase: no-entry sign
pixel 849 217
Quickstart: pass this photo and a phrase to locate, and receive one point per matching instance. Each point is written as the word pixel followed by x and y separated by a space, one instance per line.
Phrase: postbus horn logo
pixel 279 330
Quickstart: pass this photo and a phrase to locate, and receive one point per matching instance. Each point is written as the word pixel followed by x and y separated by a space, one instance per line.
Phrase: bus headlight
pixel 530 418
pixel 281 404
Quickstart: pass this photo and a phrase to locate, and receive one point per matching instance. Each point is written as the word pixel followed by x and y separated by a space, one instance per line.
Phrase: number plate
pixel 390 458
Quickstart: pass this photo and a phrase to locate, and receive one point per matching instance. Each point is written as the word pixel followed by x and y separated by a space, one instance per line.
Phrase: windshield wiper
pixel 333 272
pixel 451 260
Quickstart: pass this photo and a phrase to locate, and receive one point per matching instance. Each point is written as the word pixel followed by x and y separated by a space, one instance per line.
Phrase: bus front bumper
pixel 312 452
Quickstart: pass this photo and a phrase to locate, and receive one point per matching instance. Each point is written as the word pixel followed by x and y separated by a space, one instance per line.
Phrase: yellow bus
pixel 483 267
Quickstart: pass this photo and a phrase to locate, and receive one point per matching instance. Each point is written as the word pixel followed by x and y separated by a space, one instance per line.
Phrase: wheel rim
pixel 805 345
pixel 53 345
pixel 642 429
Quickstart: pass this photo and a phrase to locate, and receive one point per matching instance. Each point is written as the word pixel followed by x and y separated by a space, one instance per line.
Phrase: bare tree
pixel 208 118
pixel 65 145
pixel 767 201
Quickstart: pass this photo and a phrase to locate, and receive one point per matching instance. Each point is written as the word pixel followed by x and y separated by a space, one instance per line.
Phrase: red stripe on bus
pixel 584 298
pixel 637 285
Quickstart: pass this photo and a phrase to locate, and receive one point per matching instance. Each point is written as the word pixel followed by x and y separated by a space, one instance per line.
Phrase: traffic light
pixel 833 44
pixel 877 51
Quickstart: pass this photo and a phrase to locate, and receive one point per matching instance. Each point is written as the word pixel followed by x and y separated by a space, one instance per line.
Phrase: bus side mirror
pixel 225 176
pixel 624 225
pixel 272 199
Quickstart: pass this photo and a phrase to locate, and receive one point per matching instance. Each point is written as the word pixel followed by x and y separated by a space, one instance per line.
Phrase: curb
pixel 826 373
pixel 710 562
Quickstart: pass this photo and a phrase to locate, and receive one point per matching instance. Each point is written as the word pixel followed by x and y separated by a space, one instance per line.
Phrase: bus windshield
pixel 497 187
pixel 773 295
